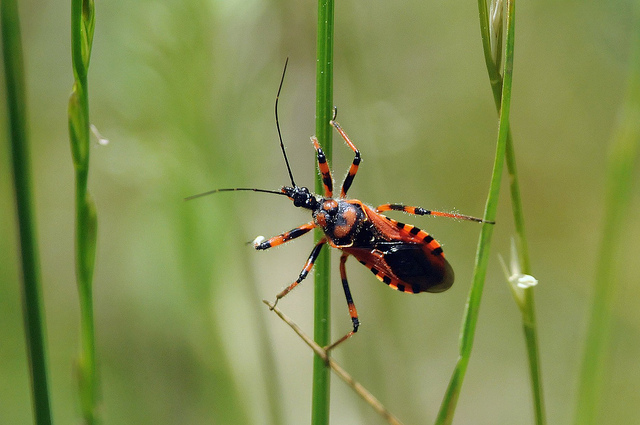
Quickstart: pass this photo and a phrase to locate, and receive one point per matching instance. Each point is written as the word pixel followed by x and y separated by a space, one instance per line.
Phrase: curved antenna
pixel 286 160
pixel 210 192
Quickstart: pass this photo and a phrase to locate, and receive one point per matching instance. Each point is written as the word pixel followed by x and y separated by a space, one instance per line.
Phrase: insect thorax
pixel 342 221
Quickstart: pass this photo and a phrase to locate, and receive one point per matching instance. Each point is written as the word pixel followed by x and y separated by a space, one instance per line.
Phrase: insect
pixel 401 255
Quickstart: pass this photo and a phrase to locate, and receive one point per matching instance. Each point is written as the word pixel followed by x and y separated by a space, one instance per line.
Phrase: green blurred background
pixel 184 91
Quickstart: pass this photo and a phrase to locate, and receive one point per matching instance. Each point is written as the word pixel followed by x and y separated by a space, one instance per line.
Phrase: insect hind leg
pixel 352 308
pixel 423 211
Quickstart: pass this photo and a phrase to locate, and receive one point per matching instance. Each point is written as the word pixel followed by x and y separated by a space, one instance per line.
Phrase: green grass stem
pixel 623 161
pixel 34 325
pixel 447 408
pixel 528 307
pixel 324 108
pixel 82 25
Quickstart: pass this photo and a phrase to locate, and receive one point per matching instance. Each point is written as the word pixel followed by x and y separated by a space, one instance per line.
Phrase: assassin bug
pixel 401 255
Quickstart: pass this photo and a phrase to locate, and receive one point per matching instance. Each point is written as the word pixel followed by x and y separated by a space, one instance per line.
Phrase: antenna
pixel 286 160
pixel 275 192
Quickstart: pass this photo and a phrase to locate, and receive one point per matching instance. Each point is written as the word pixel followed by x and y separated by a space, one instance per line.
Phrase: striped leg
pixel 305 270
pixel 352 307
pixel 346 184
pixel 327 180
pixel 422 211
pixel 284 237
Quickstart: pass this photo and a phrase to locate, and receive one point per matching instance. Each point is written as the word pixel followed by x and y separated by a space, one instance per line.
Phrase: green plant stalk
pixel 496 82
pixel 34 325
pixel 82 25
pixel 324 108
pixel 528 312
pixel 623 160
pixel 529 325
pixel 447 408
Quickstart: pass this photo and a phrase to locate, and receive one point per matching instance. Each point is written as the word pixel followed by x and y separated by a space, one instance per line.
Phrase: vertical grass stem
pixel 528 311
pixel 447 408
pixel 35 330
pixel 324 107
pixel 82 26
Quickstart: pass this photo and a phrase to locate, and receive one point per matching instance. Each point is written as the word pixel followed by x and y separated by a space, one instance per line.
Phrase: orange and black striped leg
pixel 305 271
pixel 327 180
pixel 284 237
pixel 352 308
pixel 346 184
pixel 422 211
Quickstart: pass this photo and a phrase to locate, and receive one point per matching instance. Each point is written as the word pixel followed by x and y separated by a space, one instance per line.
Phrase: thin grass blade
pixel 35 330
pixel 324 106
pixel 447 408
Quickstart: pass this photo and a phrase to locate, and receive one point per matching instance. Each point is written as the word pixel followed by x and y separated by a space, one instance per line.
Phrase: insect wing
pixel 404 257
pixel 405 267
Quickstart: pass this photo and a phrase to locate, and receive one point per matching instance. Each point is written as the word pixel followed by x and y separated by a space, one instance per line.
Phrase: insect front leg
pixel 346 184
pixel 327 180
pixel 284 237
pixel 352 308
pixel 422 211
pixel 305 270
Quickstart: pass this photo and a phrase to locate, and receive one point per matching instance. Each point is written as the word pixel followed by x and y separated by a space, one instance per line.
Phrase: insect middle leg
pixel 422 211
pixel 346 184
pixel 305 270
pixel 352 308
